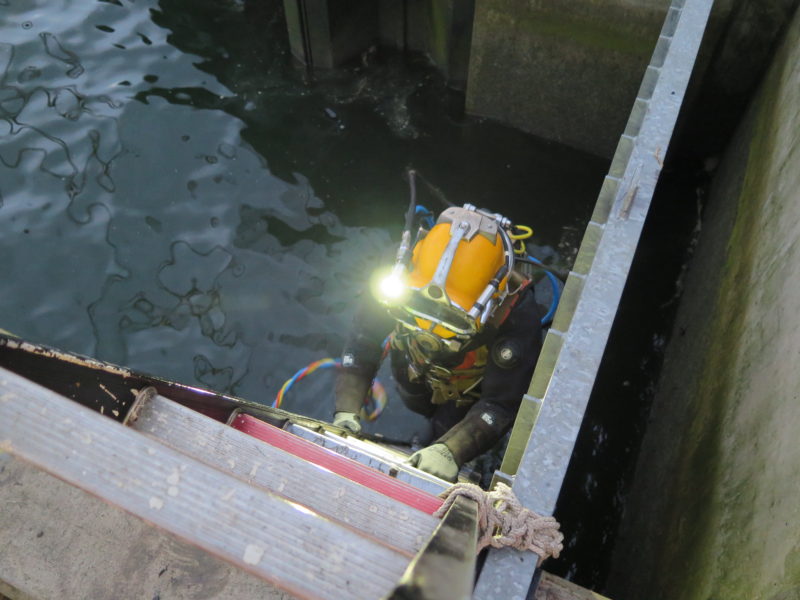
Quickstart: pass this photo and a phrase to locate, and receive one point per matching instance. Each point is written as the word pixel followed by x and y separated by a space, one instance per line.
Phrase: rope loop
pixel 503 521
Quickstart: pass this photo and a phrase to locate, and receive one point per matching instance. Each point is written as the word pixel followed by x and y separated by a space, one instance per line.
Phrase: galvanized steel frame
pixel 553 409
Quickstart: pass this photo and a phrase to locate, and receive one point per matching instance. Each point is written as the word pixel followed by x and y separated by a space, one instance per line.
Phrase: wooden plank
pixel 58 542
pixel 555 588
pixel 268 467
pixel 283 542
pixel 389 486
pixel 445 568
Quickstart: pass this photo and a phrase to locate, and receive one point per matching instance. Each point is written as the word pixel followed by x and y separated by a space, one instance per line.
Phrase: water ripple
pixel 176 198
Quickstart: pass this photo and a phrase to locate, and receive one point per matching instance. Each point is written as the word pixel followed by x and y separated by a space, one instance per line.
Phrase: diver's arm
pixel 362 354
pixel 513 356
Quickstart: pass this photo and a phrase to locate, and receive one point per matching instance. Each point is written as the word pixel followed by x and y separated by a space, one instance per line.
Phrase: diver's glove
pixel 348 420
pixel 436 460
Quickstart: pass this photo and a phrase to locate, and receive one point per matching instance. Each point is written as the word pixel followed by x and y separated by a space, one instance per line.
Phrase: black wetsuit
pixel 468 431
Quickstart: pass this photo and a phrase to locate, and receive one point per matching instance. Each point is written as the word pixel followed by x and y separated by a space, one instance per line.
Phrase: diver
pixel 464 334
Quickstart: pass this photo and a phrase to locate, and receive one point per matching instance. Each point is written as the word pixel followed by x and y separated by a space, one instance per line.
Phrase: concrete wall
pixel 442 29
pixel 565 71
pixel 326 34
pixel 714 511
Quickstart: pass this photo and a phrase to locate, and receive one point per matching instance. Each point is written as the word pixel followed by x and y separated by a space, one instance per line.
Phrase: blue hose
pixel 427 216
pixel 325 363
pixel 556 290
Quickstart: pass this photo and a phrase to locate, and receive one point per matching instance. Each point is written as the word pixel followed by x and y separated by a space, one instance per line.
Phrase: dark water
pixel 176 197
pixel 593 497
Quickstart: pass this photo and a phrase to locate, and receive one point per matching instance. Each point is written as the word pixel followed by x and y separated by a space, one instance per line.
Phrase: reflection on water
pixel 176 197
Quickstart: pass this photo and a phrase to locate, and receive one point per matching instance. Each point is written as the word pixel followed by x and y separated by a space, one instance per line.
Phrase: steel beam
pixel 599 277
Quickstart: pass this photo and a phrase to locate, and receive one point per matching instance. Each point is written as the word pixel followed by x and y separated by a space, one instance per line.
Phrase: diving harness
pixel 443 320
pixel 458 286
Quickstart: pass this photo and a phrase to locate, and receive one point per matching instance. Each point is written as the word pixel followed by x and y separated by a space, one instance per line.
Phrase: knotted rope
pixel 503 521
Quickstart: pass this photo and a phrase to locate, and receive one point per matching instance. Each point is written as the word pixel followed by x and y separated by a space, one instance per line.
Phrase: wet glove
pixel 348 420
pixel 436 460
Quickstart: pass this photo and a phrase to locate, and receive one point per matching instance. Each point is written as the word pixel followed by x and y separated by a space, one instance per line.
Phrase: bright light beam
pixel 392 287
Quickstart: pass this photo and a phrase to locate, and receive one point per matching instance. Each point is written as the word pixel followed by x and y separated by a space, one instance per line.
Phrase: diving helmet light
pixel 391 287
pixel 450 283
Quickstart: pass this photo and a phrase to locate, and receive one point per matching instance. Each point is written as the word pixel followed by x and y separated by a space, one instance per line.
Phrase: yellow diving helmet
pixel 456 276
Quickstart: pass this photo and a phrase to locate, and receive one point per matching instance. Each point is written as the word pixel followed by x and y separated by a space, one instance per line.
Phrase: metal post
pixel 582 326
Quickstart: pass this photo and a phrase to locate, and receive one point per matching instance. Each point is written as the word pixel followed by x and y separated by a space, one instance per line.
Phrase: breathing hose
pixel 553 282
pixel 374 403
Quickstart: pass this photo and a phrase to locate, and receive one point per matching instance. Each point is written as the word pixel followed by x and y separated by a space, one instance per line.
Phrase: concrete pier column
pixel 326 33
pixel 564 71
pixel 442 29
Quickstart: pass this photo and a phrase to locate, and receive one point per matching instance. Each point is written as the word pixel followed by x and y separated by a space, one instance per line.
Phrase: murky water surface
pixel 176 197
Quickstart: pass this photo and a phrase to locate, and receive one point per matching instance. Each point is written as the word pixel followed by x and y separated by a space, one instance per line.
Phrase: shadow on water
pixel 352 131
pixel 592 498
pixel 175 196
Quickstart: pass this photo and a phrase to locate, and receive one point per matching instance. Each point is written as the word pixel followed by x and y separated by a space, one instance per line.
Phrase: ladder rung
pixel 402 492
pixel 372 455
pixel 274 469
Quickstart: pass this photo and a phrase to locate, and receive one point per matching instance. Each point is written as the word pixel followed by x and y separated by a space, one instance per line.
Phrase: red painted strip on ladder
pixel 341 465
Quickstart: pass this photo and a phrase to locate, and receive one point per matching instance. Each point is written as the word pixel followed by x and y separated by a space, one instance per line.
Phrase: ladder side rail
pixel 445 568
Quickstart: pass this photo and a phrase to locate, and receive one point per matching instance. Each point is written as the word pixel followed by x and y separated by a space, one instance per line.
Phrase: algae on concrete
pixel 714 511
pixel 567 72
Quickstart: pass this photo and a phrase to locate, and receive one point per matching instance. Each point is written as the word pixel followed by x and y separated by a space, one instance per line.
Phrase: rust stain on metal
pixel 627 203
pixel 630 195
pixel 657 156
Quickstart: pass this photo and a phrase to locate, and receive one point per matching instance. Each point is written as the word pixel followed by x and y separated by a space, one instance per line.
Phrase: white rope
pixel 503 521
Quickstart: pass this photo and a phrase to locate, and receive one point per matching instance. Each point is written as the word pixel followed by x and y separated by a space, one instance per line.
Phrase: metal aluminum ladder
pixel 256 518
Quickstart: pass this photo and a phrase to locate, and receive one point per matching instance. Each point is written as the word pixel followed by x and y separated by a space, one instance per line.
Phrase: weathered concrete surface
pixel 442 29
pixel 739 44
pixel 565 71
pixel 59 542
pixel 569 72
pixel 714 510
